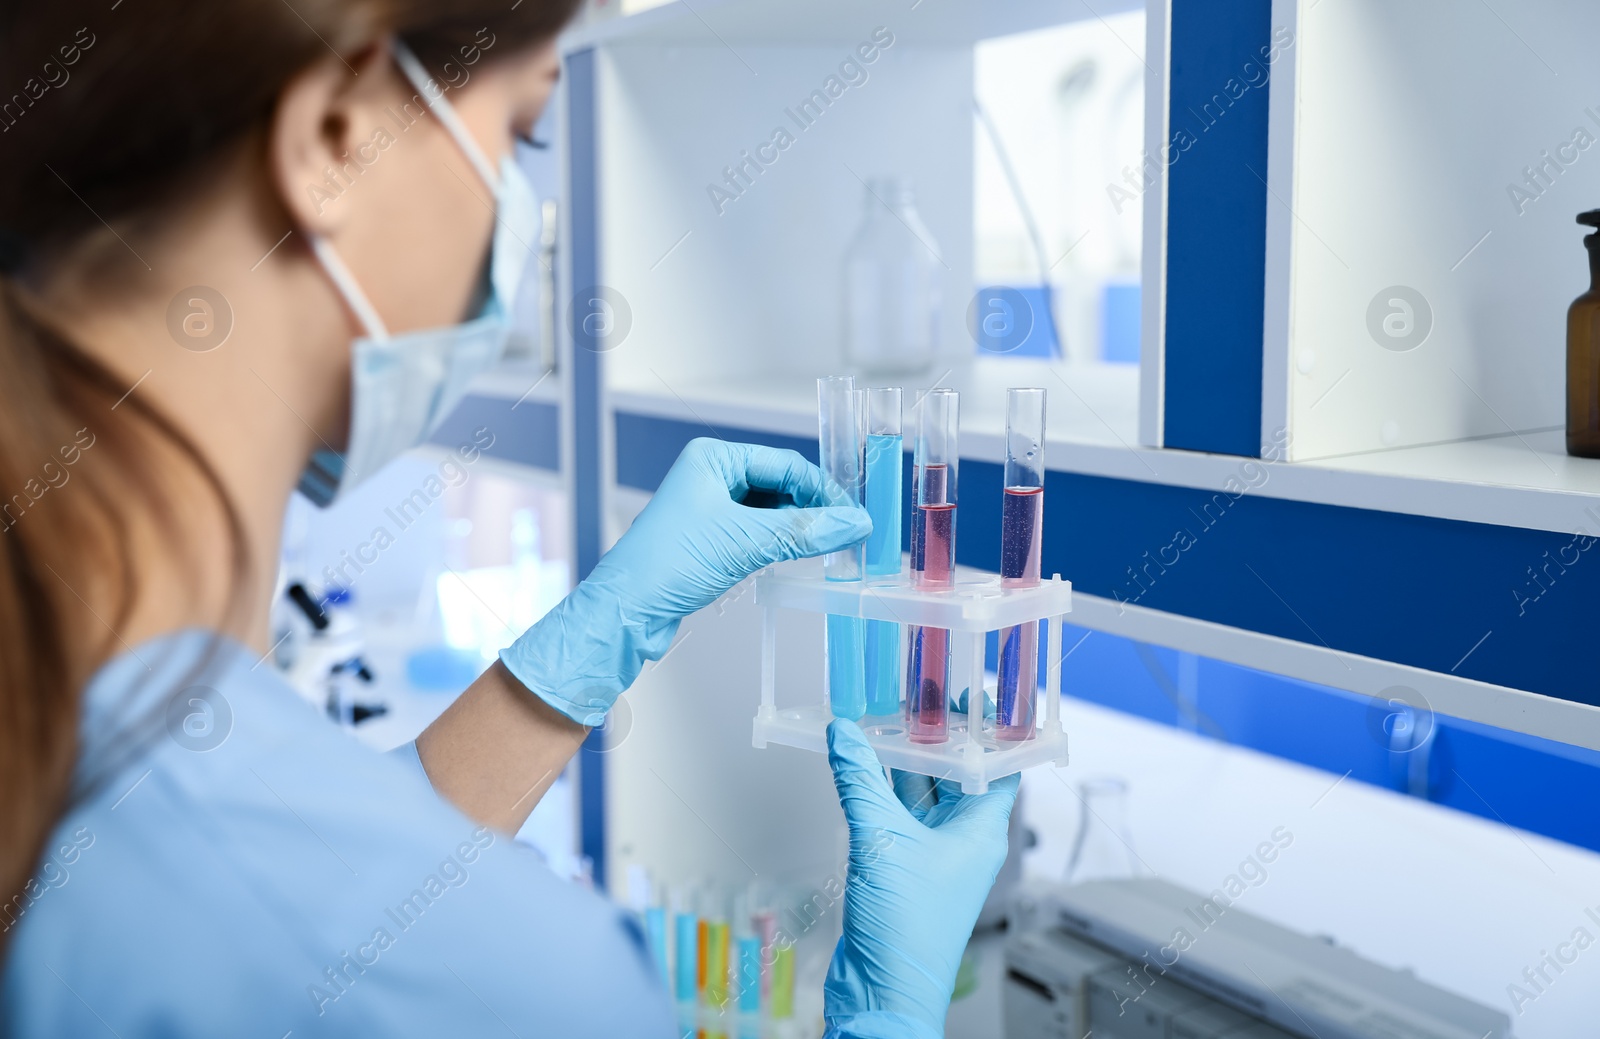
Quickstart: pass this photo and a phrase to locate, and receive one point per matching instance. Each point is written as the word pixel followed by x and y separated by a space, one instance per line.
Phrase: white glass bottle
pixel 891 285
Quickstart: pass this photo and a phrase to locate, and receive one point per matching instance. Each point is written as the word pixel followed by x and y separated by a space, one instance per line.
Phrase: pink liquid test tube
pixel 933 562
pixel 1021 520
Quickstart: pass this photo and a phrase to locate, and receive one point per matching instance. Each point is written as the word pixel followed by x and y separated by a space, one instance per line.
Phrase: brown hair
pixel 105 115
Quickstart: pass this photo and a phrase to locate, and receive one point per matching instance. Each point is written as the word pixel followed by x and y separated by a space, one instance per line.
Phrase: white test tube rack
pixel 975 606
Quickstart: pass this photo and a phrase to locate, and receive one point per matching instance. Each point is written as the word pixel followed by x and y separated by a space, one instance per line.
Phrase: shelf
pixel 519 379
pixel 808 22
pixel 1502 707
pixel 520 403
pixel 1518 480
pixel 1090 404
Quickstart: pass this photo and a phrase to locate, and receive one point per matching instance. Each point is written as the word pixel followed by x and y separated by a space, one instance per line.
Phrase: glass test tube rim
pixel 1025 406
pixel 876 394
pixel 841 446
pixel 941 449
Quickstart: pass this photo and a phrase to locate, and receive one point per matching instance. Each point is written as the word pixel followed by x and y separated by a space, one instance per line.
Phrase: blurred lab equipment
pixel 549 234
pixel 328 662
pixel 1103 848
pixel 1033 334
pixel 1142 958
pixel 891 284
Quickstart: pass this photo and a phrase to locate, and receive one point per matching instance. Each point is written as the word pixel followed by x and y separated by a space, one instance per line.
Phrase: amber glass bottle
pixel 1583 355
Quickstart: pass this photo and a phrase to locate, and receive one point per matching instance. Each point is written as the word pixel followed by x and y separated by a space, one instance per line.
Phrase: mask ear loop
pixel 433 95
pixel 345 282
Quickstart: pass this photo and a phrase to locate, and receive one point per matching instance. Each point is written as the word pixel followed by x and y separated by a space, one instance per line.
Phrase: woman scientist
pixel 332 181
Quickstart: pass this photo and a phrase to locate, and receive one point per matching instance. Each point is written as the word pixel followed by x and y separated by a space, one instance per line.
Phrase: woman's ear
pixel 323 114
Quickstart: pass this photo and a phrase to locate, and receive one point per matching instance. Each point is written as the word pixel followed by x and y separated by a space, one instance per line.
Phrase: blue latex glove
pixel 923 857
pixel 693 542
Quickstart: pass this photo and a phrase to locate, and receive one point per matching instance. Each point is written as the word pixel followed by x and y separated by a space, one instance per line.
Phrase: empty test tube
pixel 1021 522
pixel 884 453
pixel 933 559
pixel 840 429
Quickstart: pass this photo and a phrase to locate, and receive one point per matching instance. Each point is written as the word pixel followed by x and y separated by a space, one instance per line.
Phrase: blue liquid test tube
pixel 686 928
pixel 884 465
pixel 747 953
pixel 840 429
pixel 1021 522
pixel 655 926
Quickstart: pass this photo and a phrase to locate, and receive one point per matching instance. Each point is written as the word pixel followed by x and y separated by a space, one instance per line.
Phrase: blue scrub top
pixel 255 871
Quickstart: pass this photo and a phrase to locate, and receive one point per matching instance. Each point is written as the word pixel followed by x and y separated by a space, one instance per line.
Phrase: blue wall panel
pixel 1216 224
pixel 528 433
pixel 1437 594
pixel 1504 777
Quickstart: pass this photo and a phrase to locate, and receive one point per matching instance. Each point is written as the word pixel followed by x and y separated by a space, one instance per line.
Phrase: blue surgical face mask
pixel 403 386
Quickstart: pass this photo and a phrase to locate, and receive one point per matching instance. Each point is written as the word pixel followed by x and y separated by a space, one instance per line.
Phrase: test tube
pixel 783 980
pixel 716 983
pixel 840 433
pixel 748 945
pixel 933 560
pixel 765 921
pixel 1021 520
pixel 686 928
pixel 884 460
pixel 646 896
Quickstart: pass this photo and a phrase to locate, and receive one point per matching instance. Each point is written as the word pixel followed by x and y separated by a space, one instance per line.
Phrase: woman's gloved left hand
pixel 694 541
pixel 923 857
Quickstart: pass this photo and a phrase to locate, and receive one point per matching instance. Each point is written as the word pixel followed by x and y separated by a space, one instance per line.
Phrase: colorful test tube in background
pixel 747 948
pixel 782 1006
pixel 885 452
pixel 1021 524
pixel 716 955
pixel 840 429
pixel 933 561
pixel 655 926
pixel 686 930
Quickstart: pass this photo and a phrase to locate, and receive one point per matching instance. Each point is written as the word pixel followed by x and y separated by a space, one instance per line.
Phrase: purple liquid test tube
pixel 1021 519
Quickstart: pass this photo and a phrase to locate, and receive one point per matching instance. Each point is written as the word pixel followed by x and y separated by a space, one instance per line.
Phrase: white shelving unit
pixel 976 606
pixel 733 307
pixel 1422 249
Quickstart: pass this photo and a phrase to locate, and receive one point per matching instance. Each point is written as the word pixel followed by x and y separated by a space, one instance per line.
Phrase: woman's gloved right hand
pixel 923 857
pixel 698 537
